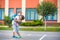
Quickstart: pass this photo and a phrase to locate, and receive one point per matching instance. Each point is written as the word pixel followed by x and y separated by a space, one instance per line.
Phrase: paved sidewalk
pixel 29 35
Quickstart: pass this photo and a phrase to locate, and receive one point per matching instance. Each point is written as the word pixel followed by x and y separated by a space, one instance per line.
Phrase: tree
pixel 46 8
pixel 7 21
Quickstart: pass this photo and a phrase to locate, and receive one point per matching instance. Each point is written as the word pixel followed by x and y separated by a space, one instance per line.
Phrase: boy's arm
pixel 15 19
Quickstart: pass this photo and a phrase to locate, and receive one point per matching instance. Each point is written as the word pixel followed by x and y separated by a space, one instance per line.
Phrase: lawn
pixel 48 29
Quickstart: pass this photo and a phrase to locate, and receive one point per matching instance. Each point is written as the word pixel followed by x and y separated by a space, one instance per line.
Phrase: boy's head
pixel 20 13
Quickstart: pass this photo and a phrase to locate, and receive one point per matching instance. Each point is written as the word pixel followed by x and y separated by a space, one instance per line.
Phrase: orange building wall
pixel 32 3
pixel 15 4
pixel 18 3
pixel 2 3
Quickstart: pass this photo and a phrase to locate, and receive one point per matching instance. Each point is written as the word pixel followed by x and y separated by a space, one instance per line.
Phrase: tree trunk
pixel 45 25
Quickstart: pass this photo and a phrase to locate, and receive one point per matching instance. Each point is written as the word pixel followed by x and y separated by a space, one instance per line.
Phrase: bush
pixel 34 23
pixel 7 21
pixel 39 22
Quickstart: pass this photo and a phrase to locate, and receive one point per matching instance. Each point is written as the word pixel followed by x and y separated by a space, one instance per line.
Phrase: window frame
pixel 2 15
pixel 35 14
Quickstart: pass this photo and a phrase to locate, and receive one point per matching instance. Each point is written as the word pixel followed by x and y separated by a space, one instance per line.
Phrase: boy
pixel 15 25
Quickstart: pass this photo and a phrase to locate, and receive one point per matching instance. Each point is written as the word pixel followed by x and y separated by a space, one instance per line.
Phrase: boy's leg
pixel 13 33
pixel 14 36
pixel 17 31
pixel 18 34
pixel 14 30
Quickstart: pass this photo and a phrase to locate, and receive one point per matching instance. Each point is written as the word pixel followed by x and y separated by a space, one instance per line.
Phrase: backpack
pixel 13 16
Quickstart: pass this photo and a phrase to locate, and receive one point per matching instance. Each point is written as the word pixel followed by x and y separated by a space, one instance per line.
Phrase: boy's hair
pixel 22 17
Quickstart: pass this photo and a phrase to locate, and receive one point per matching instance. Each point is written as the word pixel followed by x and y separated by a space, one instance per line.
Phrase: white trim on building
pixel 58 20
pixel 40 1
pixel 6 7
pixel 23 8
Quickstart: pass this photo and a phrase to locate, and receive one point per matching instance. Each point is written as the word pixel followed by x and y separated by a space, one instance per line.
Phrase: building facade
pixel 28 8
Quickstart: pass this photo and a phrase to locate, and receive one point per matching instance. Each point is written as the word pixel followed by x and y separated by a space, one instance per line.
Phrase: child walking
pixel 15 25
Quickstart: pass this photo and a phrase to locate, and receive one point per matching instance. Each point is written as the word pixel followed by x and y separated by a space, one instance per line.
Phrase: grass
pixel 41 29
pixel 48 29
pixel 5 28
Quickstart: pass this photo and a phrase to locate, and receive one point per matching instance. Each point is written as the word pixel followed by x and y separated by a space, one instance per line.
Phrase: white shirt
pixel 17 17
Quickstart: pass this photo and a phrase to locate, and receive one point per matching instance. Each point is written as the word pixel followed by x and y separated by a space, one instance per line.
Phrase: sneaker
pixel 15 37
pixel 19 36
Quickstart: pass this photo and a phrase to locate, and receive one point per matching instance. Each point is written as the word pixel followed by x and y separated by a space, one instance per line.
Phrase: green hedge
pixel 33 23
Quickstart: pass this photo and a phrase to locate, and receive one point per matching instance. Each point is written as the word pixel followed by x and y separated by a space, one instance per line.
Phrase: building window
pixel 2 13
pixel 31 14
pixel 10 12
pixel 51 17
pixel 18 9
